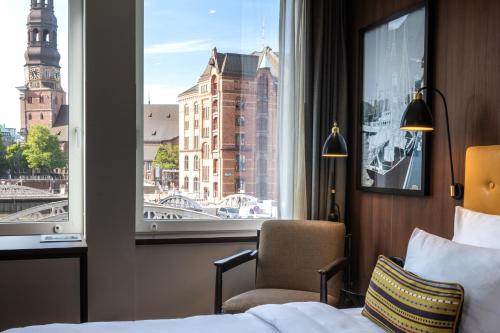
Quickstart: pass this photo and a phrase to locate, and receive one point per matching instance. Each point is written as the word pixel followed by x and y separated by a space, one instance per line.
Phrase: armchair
pixel 295 261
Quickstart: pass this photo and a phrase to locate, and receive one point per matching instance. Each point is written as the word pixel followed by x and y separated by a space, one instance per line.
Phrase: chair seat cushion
pixel 245 301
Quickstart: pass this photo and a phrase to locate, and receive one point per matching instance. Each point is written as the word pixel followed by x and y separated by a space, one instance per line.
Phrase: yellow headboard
pixel 482 179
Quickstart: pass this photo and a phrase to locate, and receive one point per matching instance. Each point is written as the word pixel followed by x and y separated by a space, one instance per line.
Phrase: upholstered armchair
pixel 295 261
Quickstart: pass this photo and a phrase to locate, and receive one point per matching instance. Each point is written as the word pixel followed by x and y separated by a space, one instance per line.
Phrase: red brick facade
pixel 227 137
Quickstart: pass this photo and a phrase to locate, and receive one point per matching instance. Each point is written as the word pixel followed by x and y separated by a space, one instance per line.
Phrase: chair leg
pixel 218 292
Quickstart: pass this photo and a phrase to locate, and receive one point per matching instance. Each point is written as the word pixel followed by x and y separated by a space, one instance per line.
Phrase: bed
pixel 481 194
pixel 311 317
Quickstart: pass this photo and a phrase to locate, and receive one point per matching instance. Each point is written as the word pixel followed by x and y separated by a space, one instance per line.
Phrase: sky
pixel 178 39
pixel 14 15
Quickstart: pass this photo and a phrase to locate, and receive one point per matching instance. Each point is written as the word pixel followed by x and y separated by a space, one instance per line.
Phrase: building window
pixel 239 139
pixel 215 142
pixel 186 143
pixel 216 190
pixel 186 163
pixel 196 124
pixel 214 85
pixel 186 184
pixel 239 185
pixel 195 107
pixel 196 163
pixel 196 142
pixel 216 166
pixel 186 125
pixel 196 185
pixel 262 124
pixel 239 104
pixel 206 113
pixel 240 162
pixel 240 121
pixel 262 142
pixel 41 155
pixel 205 174
pixel 215 124
pixel 206 132
pixel 205 151
pixel 186 110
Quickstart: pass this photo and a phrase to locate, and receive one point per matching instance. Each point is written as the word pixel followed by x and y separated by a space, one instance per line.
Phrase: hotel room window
pixel 41 143
pixel 185 62
pixel 196 163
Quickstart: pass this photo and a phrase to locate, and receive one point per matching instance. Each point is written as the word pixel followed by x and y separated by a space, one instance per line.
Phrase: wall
pixel 178 280
pixel 465 58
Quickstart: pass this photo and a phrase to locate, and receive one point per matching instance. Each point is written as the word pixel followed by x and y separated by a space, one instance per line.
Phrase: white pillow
pixel 477 269
pixel 478 229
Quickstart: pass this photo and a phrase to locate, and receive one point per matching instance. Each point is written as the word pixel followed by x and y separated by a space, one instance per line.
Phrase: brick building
pixel 161 125
pixel 227 139
pixel 43 100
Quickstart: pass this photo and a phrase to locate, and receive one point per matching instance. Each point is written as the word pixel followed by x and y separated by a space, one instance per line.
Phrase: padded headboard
pixel 482 179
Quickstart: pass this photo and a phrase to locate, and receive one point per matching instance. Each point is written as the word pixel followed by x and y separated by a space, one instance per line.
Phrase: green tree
pixel 42 149
pixel 3 158
pixel 15 158
pixel 167 157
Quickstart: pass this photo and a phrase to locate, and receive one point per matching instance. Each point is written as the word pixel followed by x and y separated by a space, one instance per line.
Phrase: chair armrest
pixel 235 260
pixel 398 261
pixel 326 273
pixel 223 265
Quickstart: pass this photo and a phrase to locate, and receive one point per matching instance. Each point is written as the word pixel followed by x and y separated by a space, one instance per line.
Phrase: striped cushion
pixel 399 301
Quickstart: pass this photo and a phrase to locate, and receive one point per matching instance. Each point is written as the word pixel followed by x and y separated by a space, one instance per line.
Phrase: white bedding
pixel 310 317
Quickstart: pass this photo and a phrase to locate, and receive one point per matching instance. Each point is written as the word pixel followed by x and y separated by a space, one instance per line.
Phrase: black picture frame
pixel 424 143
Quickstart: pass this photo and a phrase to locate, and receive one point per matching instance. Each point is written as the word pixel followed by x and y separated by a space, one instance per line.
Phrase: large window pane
pixel 35 116
pixel 211 76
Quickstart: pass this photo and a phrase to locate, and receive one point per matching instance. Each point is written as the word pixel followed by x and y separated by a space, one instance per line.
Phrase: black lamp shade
pixel 417 117
pixel 335 145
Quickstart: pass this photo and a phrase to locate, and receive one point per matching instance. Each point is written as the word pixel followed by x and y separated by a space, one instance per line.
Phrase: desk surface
pixel 32 244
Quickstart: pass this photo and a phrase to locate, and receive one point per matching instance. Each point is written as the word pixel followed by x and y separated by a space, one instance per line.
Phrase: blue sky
pixel 179 36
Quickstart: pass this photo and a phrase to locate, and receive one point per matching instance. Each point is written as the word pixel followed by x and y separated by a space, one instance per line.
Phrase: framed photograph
pixel 393 65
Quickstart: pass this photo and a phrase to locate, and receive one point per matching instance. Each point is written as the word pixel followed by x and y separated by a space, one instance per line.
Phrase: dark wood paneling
pixel 465 60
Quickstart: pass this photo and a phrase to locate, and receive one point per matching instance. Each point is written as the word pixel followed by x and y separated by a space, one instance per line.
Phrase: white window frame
pixel 172 228
pixel 76 141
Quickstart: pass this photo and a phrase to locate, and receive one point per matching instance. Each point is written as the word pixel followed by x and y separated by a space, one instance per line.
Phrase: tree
pixel 42 149
pixel 167 157
pixel 15 158
pixel 3 159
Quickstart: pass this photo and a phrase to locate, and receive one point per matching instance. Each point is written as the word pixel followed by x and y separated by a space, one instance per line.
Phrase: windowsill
pixel 15 245
pixel 195 238
pixel 224 231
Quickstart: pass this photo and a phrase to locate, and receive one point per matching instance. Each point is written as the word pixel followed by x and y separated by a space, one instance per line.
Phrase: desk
pixel 30 248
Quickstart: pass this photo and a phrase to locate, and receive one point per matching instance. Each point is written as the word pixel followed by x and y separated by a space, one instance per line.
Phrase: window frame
pixel 191 228
pixel 76 139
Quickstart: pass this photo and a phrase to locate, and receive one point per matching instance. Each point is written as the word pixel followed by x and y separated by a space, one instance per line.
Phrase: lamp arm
pixel 447 128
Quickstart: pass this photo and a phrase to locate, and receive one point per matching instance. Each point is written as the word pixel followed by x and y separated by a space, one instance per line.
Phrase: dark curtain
pixel 326 102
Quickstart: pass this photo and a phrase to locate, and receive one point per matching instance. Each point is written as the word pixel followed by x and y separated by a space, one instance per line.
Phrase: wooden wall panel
pixel 465 60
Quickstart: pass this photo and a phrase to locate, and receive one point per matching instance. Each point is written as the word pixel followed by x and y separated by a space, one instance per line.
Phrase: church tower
pixel 42 95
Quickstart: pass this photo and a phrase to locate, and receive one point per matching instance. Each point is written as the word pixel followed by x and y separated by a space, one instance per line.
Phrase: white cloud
pixel 179 47
pixel 213 11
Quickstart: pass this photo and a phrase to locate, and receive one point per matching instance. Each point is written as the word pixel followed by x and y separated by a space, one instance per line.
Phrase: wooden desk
pixel 30 248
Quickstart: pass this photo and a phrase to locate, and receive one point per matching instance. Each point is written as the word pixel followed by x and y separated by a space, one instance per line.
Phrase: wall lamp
pixel 335 146
pixel 418 117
